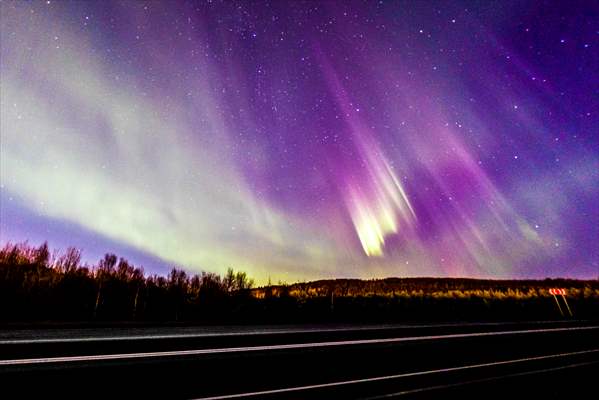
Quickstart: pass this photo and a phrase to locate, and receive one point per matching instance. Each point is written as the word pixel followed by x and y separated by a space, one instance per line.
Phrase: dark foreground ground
pixel 491 360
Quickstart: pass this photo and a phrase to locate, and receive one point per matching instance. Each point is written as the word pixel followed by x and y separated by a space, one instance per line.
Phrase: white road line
pixel 490 379
pixel 204 335
pixel 254 333
pixel 389 377
pixel 125 356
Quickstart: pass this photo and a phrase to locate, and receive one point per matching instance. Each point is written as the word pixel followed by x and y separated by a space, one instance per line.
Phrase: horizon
pixel 305 141
pixel 166 269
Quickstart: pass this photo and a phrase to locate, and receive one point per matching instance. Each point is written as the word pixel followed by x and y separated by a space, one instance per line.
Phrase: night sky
pixel 305 140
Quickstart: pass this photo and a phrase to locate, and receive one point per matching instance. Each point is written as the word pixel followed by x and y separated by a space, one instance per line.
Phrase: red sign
pixel 556 291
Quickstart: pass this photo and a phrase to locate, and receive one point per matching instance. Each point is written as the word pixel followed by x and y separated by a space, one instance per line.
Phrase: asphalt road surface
pixel 491 360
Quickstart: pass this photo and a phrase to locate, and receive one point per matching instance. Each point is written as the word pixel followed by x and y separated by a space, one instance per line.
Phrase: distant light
pixel 557 291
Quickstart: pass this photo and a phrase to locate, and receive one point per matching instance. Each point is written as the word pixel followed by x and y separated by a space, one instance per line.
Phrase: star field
pixel 304 140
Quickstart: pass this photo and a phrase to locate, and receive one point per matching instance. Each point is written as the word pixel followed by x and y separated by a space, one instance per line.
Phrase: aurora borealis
pixel 304 140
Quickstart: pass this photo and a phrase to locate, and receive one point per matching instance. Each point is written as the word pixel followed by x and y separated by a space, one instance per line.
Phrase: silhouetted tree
pixel 36 285
pixel 69 261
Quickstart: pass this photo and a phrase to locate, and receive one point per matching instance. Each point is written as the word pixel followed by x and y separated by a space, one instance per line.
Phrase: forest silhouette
pixel 40 286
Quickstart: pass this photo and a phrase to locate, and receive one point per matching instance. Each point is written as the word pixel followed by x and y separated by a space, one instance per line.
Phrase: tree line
pixel 37 285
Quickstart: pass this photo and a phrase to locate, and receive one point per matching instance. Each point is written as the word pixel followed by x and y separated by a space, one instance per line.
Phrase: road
pixel 550 359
